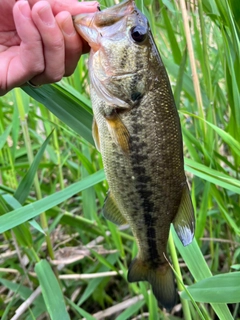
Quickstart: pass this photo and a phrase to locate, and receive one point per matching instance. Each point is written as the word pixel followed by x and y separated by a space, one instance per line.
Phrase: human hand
pixel 38 41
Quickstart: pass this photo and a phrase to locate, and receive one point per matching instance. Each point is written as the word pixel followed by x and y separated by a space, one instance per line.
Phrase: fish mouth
pixel 91 25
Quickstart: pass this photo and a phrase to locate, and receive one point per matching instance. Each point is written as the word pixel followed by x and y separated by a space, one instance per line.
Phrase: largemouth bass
pixel 137 130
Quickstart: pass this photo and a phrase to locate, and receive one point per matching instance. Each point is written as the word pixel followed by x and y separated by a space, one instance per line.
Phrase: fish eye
pixel 138 33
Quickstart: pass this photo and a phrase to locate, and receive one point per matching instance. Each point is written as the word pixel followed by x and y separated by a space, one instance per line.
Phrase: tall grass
pixel 60 259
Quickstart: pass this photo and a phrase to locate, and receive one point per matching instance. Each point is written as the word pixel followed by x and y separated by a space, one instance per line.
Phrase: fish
pixel 137 130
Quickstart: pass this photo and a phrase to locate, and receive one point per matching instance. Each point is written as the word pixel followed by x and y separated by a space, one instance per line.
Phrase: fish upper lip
pixel 112 14
pixel 107 17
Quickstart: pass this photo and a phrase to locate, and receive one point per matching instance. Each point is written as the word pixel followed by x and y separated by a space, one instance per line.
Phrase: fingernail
pixel 46 15
pixel 24 8
pixel 67 26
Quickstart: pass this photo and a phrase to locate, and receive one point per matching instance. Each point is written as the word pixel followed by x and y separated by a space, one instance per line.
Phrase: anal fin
pixel 184 222
pixel 111 211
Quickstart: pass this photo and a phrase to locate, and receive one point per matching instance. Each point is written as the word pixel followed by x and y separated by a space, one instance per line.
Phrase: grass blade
pixel 69 106
pixel 51 291
pixel 18 216
pixel 23 189
pixel 198 267
pixel 222 288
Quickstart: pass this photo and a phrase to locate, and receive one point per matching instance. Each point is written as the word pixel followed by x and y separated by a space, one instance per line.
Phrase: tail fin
pixel 160 278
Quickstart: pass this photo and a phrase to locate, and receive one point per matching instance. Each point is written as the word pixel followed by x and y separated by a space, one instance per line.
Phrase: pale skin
pixel 38 42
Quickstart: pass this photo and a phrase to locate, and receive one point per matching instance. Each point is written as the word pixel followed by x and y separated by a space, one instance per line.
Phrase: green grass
pixel 57 250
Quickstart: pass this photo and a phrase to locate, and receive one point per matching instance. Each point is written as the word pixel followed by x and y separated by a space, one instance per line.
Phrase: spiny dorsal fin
pixel 111 211
pixel 118 131
pixel 95 134
pixel 184 222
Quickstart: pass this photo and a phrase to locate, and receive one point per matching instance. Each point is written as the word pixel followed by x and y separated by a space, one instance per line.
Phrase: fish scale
pixel 137 130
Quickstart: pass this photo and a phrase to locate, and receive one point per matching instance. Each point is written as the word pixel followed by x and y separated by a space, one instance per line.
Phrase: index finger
pixel 72 6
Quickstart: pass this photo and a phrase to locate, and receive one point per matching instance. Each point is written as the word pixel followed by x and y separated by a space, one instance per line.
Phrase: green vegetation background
pixel 57 252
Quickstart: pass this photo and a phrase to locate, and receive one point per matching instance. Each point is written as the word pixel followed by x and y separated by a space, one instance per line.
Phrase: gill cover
pixel 118 62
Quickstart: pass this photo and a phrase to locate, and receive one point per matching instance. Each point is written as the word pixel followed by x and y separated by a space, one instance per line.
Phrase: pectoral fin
pixel 111 211
pixel 96 134
pixel 184 222
pixel 118 131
